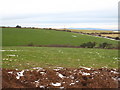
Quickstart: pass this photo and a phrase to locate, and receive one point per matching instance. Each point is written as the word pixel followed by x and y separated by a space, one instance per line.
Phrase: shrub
pixel 89 45
pixel 83 45
pixel 18 26
pixel 105 45
pixel 117 38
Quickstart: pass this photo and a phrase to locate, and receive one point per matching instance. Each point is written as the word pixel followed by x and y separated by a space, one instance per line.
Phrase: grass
pixel 19 37
pixel 29 57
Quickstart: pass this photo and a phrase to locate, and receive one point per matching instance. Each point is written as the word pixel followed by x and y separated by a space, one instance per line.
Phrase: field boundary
pixel 65 46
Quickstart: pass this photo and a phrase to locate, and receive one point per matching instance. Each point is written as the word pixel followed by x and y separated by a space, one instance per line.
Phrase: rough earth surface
pixel 61 78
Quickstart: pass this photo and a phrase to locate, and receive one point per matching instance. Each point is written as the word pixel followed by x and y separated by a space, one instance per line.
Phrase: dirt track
pixel 61 78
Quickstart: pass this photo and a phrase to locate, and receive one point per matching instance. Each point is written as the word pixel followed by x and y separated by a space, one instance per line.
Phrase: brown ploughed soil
pixel 60 78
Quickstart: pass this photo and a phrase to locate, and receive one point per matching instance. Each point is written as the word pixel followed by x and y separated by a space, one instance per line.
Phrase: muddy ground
pixel 61 78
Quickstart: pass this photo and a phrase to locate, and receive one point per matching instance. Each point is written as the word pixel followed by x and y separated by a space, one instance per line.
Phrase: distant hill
pixel 90 29
pixel 24 36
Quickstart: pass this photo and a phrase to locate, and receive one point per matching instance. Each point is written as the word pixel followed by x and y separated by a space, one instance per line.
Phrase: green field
pixel 29 57
pixel 16 55
pixel 19 37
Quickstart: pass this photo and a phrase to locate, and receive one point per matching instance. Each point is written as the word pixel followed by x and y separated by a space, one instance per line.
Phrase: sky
pixel 60 13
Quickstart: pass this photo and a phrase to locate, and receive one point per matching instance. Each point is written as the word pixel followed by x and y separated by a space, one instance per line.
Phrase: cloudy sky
pixel 60 13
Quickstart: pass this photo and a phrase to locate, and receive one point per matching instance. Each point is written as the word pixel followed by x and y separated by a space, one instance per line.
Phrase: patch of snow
pixel 104 67
pixel 114 79
pixel 94 72
pixel 76 81
pixel 39 68
pixel 42 73
pixel 109 38
pixel 10 72
pixel 60 75
pixel 37 81
pixel 85 73
pixel 114 72
pixel 67 77
pixel 58 68
pixel 71 77
pixel 118 79
pixel 74 36
pixel 42 86
pixel 61 87
pixel 75 70
pixel 7 59
pixel 56 84
pixel 8 50
pixel 86 68
pixel 4 58
pixel 19 74
pixel 115 58
pixel 16 69
pixel 72 83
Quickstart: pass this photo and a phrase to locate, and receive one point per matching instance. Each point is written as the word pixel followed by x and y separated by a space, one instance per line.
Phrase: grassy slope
pixel 15 37
pixel 28 57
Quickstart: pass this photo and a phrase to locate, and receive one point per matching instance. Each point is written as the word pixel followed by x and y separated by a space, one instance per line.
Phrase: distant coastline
pixel 94 29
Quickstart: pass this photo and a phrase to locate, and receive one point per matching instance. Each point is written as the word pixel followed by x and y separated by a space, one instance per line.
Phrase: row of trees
pixel 18 26
pixel 88 45
pixel 94 45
